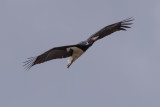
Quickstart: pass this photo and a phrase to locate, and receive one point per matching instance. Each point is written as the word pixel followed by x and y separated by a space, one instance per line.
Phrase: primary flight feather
pixel 75 51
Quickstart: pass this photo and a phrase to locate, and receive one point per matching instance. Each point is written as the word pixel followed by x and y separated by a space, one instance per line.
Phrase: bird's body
pixel 75 51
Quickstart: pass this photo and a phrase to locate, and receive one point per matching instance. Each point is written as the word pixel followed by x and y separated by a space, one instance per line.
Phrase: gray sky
pixel 121 70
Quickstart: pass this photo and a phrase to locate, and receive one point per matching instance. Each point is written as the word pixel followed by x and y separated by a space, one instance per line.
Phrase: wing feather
pixel 54 53
pixel 122 25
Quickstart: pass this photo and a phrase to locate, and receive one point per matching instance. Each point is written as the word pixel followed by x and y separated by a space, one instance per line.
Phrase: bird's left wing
pixel 54 53
pixel 122 25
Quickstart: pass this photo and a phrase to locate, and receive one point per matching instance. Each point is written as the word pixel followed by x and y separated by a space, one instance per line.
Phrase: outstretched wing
pixel 57 52
pixel 122 25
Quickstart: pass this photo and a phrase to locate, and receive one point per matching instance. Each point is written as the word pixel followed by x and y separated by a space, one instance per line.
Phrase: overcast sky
pixel 121 70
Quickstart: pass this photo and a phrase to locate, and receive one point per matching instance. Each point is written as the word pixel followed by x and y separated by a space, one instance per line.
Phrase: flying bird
pixel 75 51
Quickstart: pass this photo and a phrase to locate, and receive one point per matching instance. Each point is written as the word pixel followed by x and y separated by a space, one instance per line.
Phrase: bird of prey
pixel 75 51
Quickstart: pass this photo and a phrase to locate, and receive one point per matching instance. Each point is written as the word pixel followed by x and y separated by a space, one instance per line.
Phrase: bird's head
pixel 84 43
pixel 89 42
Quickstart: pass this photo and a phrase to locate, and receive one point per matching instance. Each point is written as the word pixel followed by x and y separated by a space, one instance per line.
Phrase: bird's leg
pixel 70 61
pixel 69 64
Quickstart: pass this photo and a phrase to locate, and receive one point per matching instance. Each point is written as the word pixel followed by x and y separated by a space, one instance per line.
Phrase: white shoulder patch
pixel 77 52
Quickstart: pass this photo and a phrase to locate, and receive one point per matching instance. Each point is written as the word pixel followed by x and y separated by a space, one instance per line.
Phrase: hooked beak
pixel 95 38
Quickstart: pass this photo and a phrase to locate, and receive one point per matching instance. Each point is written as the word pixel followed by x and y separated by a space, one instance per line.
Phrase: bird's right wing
pixel 54 53
pixel 122 25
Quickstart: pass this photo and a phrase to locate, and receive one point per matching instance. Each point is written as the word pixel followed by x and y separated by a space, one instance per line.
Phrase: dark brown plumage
pixel 75 51
pixel 107 30
pixel 54 53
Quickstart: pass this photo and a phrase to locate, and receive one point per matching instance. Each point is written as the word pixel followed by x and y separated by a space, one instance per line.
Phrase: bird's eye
pixel 87 43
